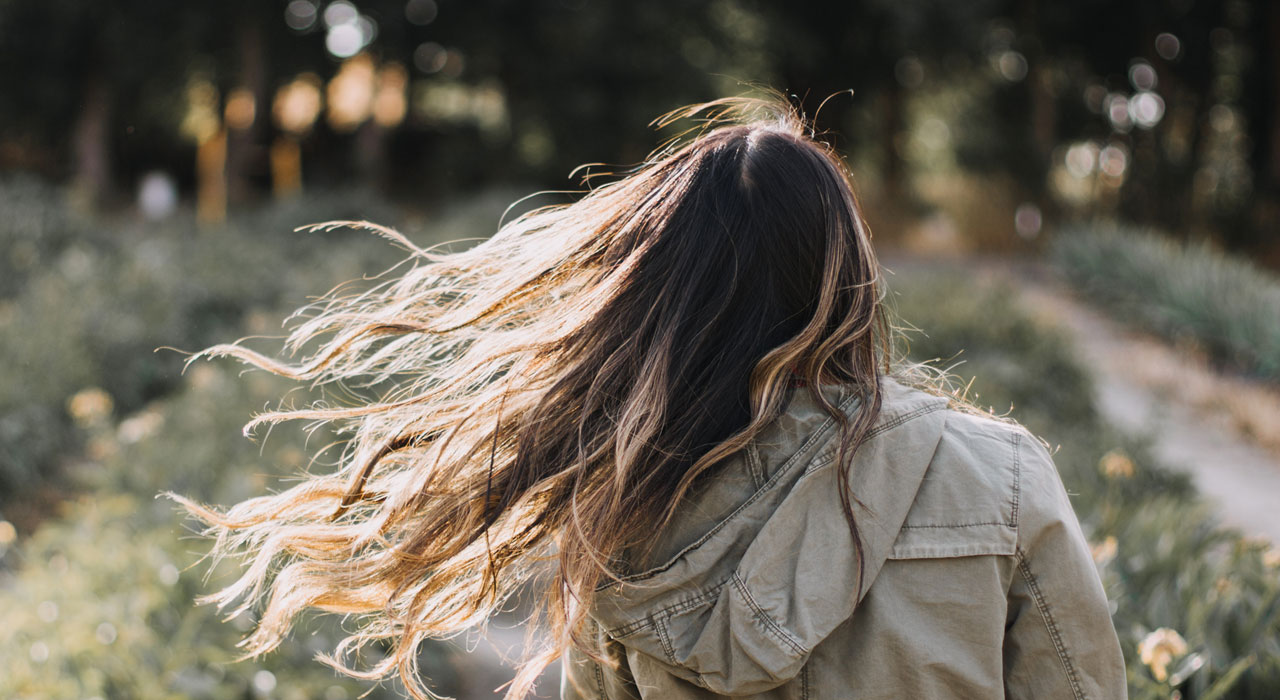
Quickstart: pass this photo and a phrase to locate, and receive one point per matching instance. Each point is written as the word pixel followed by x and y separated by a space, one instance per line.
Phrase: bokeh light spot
pixel 300 15
pixel 8 533
pixel 909 72
pixel 339 13
pixel 157 195
pixel 47 611
pixel 168 574
pixel 241 109
pixel 1118 112
pixel 368 30
pixel 297 104
pixel 344 40
pixel 1168 46
pixel 430 57
pixel 350 93
pixel 1146 109
pixel 389 102
pixel 1027 220
pixel 421 12
pixel 1081 159
pixel 1095 98
pixel 1142 75
pixel 1113 161
pixel 106 633
pixel 1012 66
pixel 264 682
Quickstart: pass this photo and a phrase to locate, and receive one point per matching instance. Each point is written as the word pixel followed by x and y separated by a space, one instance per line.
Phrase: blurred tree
pixel 499 90
pixel 74 66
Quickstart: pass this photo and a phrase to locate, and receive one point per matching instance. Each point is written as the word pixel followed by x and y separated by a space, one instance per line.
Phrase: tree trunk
pixel 371 154
pixel 92 169
pixel 211 179
pixel 244 149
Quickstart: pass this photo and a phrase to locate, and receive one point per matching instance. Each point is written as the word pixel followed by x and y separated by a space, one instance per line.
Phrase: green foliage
pixel 91 305
pixel 102 601
pixel 1165 562
pixel 1188 293
pixel 98 601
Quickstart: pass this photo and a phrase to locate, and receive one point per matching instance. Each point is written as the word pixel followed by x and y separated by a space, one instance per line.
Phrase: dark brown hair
pixel 561 386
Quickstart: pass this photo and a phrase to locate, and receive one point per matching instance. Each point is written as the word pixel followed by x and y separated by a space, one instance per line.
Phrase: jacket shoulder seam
pixel 1017 478
pixel 1051 625
pixel 877 431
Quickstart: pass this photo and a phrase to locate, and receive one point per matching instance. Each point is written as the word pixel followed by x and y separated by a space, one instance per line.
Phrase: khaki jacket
pixel 978 582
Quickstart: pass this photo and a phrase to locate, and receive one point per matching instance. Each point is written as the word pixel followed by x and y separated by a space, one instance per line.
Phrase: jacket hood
pixel 760 566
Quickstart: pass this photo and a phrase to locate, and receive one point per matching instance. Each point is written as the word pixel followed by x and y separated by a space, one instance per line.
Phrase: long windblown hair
pixel 558 388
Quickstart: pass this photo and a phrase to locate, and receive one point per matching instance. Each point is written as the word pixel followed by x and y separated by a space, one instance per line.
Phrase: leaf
pixel 1219 689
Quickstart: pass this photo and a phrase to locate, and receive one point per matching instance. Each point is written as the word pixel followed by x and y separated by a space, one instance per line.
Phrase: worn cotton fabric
pixel 977 580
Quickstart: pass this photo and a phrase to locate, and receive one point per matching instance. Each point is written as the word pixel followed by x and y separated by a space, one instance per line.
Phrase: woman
pixel 669 408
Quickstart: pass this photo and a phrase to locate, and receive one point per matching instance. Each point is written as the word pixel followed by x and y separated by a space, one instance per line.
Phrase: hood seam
pixel 827 459
pixel 665 612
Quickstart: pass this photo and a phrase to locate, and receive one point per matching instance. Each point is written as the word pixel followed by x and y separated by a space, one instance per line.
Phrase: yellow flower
pixel 1105 551
pixel 1116 465
pixel 90 406
pixel 1271 558
pixel 139 426
pixel 1159 649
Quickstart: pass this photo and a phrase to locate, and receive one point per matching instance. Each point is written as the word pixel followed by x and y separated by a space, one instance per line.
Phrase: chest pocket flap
pixel 967 504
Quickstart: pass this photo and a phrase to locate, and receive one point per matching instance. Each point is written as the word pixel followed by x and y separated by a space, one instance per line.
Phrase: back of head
pixel 560 387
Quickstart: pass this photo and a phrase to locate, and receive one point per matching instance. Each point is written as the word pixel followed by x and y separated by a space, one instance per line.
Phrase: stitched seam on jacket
pixel 594 628
pixel 674 608
pixel 604 695
pixel 949 526
pixel 770 625
pixel 817 435
pixel 804 682
pixel 1017 477
pixel 663 637
pixel 826 461
pixel 754 467
pixel 1051 625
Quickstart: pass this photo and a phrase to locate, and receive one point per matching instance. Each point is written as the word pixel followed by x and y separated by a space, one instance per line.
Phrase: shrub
pixel 98 601
pixel 1223 304
pixel 101 300
pixel 101 602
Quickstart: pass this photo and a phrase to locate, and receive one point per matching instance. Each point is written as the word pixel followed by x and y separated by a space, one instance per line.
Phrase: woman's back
pixel 607 390
pixel 977 580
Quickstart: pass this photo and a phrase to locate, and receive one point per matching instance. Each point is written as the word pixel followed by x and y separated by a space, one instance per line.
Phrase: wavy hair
pixel 558 389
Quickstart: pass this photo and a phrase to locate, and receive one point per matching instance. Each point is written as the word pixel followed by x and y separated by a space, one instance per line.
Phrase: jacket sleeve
pixel 1060 641
pixel 584 678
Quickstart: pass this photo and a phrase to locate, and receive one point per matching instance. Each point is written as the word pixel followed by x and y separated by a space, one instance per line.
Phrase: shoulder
pixel 987 483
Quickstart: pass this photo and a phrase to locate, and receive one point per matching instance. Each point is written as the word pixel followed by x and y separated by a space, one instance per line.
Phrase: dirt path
pixel 1146 387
